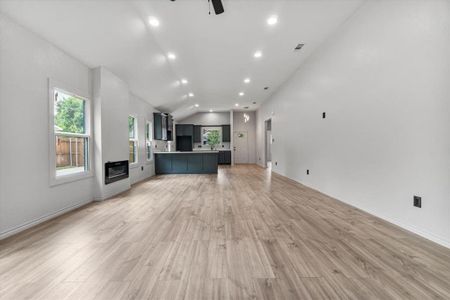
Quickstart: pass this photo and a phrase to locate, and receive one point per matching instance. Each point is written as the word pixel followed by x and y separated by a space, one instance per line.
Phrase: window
pixel 70 134
pixel 133 139
pixel 148 140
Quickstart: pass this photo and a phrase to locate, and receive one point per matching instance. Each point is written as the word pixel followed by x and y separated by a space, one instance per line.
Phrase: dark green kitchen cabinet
pixel 210 161
pixel 226 133
pixel 197 162
pixel 157 126
pixel 169 128
pixel 162 127
pixel 180 163
pixel 197 133
pixel 163 165
pixel 179 130
pixel 224 157
pixel 184 129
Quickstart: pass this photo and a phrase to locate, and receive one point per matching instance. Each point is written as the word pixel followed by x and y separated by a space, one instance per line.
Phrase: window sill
pixel 63 179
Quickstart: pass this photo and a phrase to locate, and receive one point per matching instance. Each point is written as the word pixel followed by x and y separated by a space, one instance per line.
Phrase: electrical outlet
pixel 417 201
pixel 307 172
pixel 324 115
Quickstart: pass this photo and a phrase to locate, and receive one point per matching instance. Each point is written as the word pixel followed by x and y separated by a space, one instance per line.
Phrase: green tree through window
pixel 69 114
pixel 131 128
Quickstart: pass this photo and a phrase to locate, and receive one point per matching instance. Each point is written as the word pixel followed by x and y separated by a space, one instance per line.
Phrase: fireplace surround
pixel 116 170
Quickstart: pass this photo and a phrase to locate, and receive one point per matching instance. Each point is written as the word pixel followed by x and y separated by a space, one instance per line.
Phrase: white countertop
pixel 203 150
pixel 185 152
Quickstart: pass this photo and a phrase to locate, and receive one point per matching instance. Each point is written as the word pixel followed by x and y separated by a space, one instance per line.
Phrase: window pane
pixel 69 113
pixel 149 150
pixel 71 155
pixel 131 127
pixel 132 157
pixel 148 143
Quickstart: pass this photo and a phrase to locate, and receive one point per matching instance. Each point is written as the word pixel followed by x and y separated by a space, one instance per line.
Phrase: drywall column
pixel 111 106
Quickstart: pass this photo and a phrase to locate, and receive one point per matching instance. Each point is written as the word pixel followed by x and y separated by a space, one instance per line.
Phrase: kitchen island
pixel 186 162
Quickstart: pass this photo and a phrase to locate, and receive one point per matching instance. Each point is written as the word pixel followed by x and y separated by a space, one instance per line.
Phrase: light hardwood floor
pixel 243 234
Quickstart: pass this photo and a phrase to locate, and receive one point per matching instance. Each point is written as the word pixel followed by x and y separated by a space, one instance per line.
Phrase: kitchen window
pixel 133 141
pixel 148 140
pixel 70 136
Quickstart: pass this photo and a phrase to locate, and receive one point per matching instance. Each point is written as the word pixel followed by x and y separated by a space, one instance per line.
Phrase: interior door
pixel 240 141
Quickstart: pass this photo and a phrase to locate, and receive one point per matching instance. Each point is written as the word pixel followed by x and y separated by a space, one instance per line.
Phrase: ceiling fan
pixel 217 4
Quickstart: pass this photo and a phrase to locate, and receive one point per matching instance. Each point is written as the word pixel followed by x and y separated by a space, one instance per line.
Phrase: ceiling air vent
pixel 299 46
pixel 245 107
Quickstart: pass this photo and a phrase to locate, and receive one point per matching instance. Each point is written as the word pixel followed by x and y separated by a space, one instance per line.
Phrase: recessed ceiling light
pixel 272 20
pixel 247 80
pixel 237 104
pixel 154 22
pixel 210 110
pixel 257 54
pixel 171 56
pixel 184 81
pixel 191 95
pixel 196 105
pixel 241 94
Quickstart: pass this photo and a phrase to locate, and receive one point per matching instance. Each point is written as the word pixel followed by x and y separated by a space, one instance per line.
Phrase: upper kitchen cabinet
pixel 184 130
pixel 226 133
pixel 197 133
pixel 162 127
pixel 169 128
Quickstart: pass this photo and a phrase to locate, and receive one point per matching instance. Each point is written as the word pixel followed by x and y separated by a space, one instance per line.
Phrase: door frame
pixel 266 141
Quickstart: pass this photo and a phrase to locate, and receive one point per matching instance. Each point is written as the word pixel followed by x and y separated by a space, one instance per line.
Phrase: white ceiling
pixel 214 53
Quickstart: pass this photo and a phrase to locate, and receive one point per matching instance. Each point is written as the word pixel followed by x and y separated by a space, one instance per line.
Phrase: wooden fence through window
pixel 70 152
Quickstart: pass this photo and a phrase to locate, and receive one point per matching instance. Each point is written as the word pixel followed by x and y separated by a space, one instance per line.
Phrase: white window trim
pixel 135 140
pixel 57 180
pixel 150 139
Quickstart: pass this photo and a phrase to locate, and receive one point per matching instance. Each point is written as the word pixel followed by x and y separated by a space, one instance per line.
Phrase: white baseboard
pixel 40 220
pixel 413 229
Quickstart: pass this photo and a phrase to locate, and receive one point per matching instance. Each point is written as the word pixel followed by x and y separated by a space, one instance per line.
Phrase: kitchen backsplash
pixel 220 146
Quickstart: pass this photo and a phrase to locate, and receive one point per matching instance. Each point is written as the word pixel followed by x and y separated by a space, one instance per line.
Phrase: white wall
pixel 250 127
pixel 383 80
pixel 207 118
pixel 26 63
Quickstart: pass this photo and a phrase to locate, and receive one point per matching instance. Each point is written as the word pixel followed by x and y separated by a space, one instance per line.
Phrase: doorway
pixel 268 143
pixel 240 141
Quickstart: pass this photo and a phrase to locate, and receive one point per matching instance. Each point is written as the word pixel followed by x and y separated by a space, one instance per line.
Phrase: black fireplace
pixel 115 171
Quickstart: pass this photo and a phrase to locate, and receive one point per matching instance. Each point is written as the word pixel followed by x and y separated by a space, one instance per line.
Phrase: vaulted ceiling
pixel 214 53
